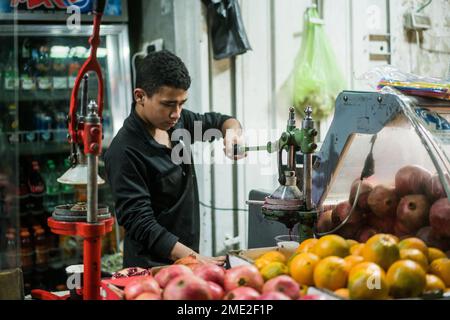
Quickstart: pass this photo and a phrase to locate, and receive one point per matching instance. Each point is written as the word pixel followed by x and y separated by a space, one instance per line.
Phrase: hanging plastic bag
pixel 226 28
pixel 317 77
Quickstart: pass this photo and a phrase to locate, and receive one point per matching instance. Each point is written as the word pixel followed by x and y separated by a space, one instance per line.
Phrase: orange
pixel 406 279
pixel 435 253
pixel 351 261
pixel 307 245
pixel 291 258
pixel 357 249
pixel 415 255
pixel 383 235
pixel 331 245
pixel 274 269
pixel 367 281
pixel 381 249
pixel 261 263
pixel 302 268
pixel 351 242
pixel 343 293
pixel 330 273
pixel 274 256
pixel 441 268
pixel 434 283
pixel 413 243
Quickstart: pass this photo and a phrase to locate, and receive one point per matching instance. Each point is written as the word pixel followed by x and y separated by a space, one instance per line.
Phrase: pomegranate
pixel 283 284
pixel 166 274
pixel 273 295
pixel 148 296
pixel 432 240
pixel 411 180
pixel 383 201
pixel 440 217
pixel 243 276
pixel 382 225
pixel 187 287
pixel 242 293
pixel 412 212
pixel 364 190
pixel 325 223
pixel 434 189
pixel 141 285
pixel 365 233
pixel 215 290
pixel 210 272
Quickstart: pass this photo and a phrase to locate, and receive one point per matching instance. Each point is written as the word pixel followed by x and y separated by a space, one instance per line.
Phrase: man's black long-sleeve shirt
pixel 156 200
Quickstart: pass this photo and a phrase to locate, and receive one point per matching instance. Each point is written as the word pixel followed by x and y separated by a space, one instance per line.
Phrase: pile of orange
pixel 382 268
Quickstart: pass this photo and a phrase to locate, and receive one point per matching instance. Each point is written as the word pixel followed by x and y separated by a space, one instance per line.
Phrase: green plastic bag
pixel 317 77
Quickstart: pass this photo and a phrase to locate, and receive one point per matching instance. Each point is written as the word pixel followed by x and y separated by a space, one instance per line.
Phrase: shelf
pixel 42 95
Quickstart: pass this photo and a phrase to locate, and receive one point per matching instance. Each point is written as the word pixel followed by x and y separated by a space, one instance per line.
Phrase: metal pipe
pixel 307 180
pixel 92 190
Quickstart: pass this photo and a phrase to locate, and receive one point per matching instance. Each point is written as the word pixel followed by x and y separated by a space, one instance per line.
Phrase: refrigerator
pixel 40 55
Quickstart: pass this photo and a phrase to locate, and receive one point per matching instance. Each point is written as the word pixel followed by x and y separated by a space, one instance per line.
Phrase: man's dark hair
pixel 161 68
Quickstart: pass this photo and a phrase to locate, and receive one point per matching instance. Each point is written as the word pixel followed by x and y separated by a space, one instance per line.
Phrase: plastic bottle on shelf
pixel 12 125
pixel 10 76
pixel 73 69
pixel 27 67
pixel 11 253
pixel 61 127
pixel 36 184
pixel 41 56
pixel 40 248
pixel 59 72
pixel 67 189
pixel 26 251
pixel 52 187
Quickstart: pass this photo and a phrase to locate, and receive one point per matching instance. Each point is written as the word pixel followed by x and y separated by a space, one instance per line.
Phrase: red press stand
pixel 87 135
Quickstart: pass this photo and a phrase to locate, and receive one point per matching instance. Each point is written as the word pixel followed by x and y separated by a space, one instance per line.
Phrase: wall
pixel 257 87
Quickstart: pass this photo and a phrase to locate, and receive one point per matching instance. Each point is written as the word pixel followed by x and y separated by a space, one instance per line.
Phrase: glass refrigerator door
pixel 34 135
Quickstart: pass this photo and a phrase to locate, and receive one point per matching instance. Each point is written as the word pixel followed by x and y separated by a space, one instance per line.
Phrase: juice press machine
pixel 367 139
pixel 87 220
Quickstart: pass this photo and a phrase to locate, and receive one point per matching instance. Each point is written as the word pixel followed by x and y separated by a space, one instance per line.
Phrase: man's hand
pixel 232 135
pixel 220 261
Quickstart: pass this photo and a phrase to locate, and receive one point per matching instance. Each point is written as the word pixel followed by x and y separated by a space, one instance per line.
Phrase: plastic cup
pixel 287 244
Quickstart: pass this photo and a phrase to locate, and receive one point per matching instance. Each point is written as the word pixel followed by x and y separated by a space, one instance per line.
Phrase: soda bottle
pixel 12 125
pixel 73 69
pixel 41 56
pixel 11 78
pixel 36 185
pixel 24 194
pixel 40 248
pixel 59 71
pixel 26 251
pixel 52 187
pixel 67 189
pixel 27 66
pixel 11 253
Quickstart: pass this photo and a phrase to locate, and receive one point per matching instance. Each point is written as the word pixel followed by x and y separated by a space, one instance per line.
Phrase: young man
pixel 156 200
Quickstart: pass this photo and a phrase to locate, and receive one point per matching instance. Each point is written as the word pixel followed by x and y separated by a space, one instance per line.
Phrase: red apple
pixel 141 285
pixel 187 287
pixel 166 274
pixel 242 293
pixel 283 284
pixel 216 290
pixel 148 296
pixel 210 272
pixel 243 276
pixel 273 295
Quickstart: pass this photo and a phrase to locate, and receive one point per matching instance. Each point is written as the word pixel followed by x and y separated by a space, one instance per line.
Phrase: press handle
pixel 99 6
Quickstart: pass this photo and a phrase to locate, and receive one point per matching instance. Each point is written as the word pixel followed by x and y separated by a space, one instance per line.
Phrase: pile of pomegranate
pixel 414 205
pixel 199 281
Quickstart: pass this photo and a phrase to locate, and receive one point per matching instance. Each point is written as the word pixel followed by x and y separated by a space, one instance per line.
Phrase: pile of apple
pixel 415 205
pixel 211 282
